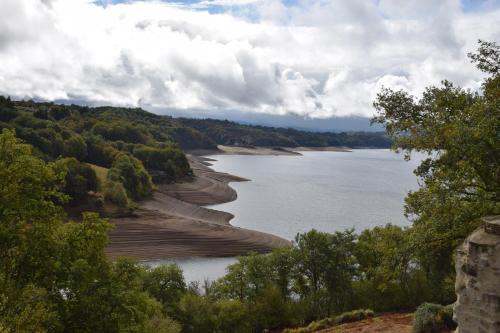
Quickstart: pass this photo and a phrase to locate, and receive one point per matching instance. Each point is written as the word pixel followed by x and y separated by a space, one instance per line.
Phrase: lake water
pixel 327 191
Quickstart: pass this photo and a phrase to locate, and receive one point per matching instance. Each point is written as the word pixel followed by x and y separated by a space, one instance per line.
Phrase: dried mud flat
pixel 174 223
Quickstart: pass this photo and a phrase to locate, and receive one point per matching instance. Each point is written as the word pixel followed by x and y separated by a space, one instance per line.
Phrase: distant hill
pixel 231 133
pixel 188 133
pixel 332 124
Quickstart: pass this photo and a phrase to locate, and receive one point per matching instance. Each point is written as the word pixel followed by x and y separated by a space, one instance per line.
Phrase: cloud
pixel 312 58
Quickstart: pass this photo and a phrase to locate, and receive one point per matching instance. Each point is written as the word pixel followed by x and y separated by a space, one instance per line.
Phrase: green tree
pixel 79 180
pixel 324 267
pixel 54 275
pixel 230 316
pixel 166 284
pixel 130 171
pixel 115 193
pixel 389 276
pixel 75 147
pixel 460 178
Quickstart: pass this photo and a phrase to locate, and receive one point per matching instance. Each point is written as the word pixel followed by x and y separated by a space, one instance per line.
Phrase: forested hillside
pixel 105 150
pixel 230 133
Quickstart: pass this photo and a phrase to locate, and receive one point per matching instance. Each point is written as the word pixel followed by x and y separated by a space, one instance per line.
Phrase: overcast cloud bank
pixel 311 58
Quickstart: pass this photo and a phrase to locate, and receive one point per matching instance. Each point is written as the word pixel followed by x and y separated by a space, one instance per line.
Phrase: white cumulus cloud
pixel 315 58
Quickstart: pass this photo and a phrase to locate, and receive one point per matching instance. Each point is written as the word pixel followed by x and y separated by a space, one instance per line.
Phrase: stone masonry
pixel 477 309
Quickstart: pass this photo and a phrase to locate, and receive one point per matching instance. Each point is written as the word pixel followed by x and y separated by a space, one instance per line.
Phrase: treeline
pixel 225 132
pixel 115 154
pixel 55 277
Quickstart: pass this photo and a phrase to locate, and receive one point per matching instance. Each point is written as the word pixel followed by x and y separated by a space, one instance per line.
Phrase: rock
pixel 477 309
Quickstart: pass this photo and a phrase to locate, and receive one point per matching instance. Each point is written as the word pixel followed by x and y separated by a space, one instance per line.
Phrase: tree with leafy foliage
pixel 166 284
pixel 75 147
pixel 54 275
pixel 79 180
pixel 324 268
pixel 131 173
pixel 460 179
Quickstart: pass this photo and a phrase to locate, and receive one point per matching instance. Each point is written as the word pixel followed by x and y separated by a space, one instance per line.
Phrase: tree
pixel 166 284
pixel 324 268
pixel 389 276
pixel 75 147
pixel 130 171
pixel 79 180
pixel 54 275
pixel 460 178
pixel 115 193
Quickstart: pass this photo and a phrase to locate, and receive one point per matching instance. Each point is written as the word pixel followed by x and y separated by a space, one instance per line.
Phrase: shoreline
pixel 175 224
pixel 264 151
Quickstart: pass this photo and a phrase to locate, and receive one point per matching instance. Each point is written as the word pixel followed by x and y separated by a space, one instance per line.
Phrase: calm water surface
pixel 327 191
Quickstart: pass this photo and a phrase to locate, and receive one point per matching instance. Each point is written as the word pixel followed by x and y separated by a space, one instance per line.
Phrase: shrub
pixel 446 315
pixel 80 178
pixel 131 173
pixel 114 192
pixel 75 147
pixel 433 318
pixel 7 114
pixel 59 112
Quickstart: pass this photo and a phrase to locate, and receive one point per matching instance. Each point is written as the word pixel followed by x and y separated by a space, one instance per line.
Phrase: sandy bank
pixel 273 151
pixel 338 149
pixel 173 222
pixel 244 150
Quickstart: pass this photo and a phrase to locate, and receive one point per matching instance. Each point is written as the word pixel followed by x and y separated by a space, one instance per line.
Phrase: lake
pixel 327 191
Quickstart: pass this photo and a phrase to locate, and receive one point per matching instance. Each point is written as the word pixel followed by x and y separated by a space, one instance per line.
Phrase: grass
pixel 101 173
pixel 347 317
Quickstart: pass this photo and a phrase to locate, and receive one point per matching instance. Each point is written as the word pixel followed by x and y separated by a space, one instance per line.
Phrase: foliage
pixel 116 194
pixel 324 269
pixel 166 284
pixel 389 274
pixel 433 318
pixel 105 137
pixel 7 111
pixel 230 133
pixel 54 275
pixel 170 162
pixel 130 172
pixel 79 180
pixel 460 178
pixel 75 147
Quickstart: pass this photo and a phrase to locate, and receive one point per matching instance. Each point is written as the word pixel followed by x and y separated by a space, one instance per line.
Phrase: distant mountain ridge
pixel 191 133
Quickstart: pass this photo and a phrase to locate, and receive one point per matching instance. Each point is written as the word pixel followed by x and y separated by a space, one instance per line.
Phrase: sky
pixel 312 59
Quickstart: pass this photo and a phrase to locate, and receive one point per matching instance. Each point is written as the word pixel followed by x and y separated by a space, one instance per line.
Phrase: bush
pixel 7 114
pixel 99 153
pixel 170 161
pixel 114 192
pixel 433 318
pixel 79 180
pixel 129 171
pixel 75 147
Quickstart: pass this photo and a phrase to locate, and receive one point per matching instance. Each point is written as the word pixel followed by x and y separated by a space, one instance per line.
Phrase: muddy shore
pixel 174 223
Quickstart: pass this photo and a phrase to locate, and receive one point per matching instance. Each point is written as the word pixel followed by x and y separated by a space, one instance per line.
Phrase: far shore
pixel 254 150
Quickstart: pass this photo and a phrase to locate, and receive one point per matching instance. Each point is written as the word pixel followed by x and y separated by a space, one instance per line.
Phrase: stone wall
pixel 477 309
